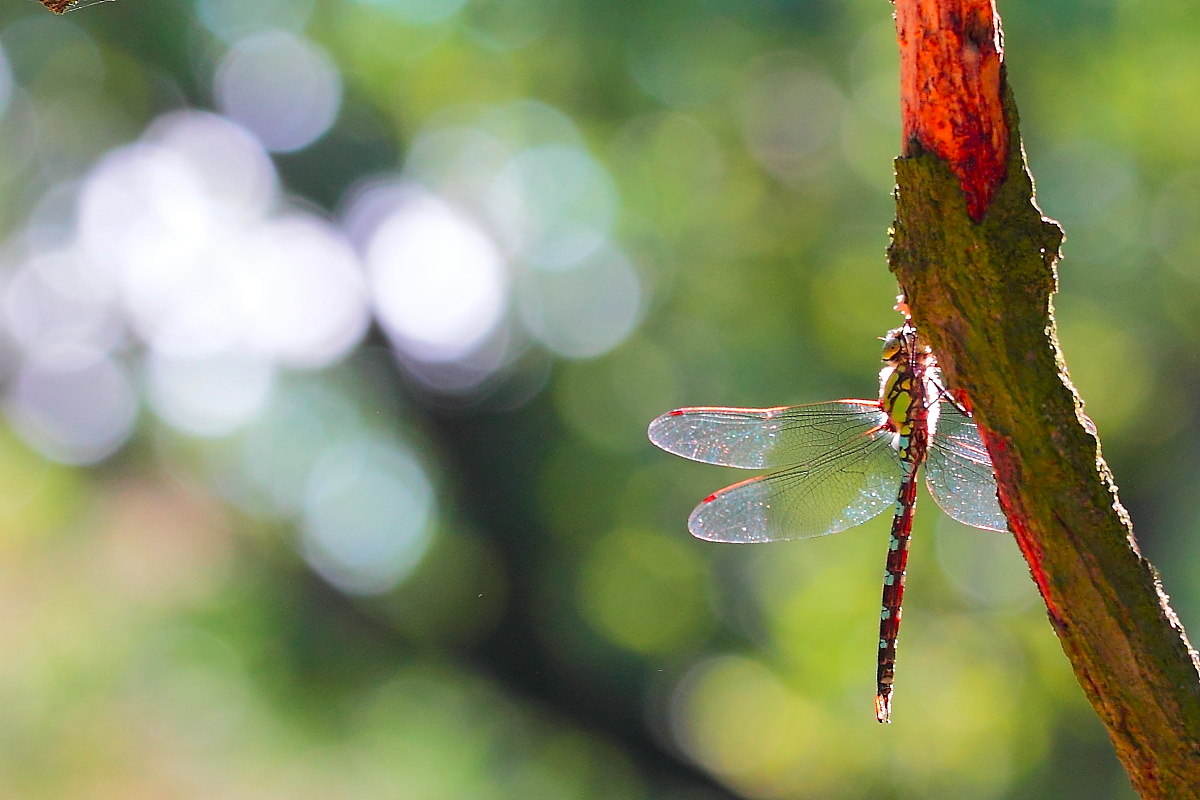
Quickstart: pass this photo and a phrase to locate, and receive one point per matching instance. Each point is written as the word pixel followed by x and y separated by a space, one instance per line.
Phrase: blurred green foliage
pixel 199 609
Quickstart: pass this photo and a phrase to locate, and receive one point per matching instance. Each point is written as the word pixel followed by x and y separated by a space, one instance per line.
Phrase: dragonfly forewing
pixel 758 438
pixel 839 489
pixel 959 474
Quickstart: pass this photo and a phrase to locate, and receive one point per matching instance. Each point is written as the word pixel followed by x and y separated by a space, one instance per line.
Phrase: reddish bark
pixel 951 65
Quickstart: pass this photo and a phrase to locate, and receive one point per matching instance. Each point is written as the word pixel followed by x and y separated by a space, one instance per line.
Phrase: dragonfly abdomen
pixel 905 398
pixel 893 594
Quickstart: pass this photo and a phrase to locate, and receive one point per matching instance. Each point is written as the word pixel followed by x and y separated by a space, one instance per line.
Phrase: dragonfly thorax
pixel 907 388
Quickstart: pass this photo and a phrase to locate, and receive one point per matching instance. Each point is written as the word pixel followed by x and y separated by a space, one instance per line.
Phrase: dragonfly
pixel 838 464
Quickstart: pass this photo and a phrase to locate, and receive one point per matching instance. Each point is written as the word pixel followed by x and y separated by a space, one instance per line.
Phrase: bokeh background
pixel 330 330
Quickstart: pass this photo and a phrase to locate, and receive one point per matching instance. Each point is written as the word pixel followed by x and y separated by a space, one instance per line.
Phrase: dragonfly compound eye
pixel 891 345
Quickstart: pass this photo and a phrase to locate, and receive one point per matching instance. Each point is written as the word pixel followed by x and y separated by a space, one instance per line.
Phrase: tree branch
pixel 977 263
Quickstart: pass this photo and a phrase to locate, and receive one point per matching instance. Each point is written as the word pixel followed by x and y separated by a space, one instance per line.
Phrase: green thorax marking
pixel 898 398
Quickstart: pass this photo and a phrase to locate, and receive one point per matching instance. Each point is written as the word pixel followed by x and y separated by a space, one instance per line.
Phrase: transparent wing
pixel 843 487
pixel 959 472
pixel 756 438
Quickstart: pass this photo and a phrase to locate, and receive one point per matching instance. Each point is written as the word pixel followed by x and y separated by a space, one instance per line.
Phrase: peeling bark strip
pixel 63 6
pixel 950 96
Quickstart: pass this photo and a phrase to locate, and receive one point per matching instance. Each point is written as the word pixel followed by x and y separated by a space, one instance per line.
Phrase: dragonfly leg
pixel 944 393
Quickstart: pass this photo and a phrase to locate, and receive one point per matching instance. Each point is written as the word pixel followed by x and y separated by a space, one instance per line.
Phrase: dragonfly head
pixel 893 346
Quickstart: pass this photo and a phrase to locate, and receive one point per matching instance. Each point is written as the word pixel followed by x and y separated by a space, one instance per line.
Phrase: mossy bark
pixel 981 293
